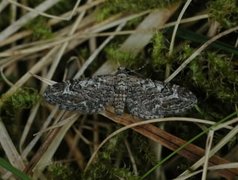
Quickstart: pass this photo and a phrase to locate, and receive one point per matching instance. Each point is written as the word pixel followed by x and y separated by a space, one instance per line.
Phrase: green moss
pixel 224 11
pixel 60 171
pixel 40 29
pixel 123 58
pixel 133 6
pixel 211 72
pixel 23 98
pixel 197 74
pixel 215 73
pixel 103 167
pixel 159 50
pixel 106 170
pixel 142 152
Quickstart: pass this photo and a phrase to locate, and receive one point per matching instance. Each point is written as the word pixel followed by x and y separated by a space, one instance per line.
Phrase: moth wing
pixel 85 96
pixel 149 99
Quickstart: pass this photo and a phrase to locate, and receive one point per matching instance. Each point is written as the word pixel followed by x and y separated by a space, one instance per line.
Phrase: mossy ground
pixel 212 76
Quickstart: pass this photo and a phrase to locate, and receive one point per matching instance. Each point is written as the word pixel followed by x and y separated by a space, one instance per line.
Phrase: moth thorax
pixel 120 97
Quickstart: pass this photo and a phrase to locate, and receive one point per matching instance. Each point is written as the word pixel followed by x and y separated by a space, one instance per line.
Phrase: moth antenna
pixel 45 80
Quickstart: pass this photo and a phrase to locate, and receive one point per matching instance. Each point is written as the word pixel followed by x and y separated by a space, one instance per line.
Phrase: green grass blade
pixel 6 165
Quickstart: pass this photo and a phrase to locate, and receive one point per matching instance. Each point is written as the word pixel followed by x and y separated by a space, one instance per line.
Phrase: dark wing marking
pixel 85 96
pixel 149 99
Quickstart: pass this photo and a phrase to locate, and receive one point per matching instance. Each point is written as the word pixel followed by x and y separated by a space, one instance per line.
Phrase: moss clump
pixel 224 11
pixel 215 73
pixel 40 29
pixel 123 58
pixel 103 168
pixel 159 50
pixel 60 171
pixel 106 170
pixel 124 6
pixel 23 98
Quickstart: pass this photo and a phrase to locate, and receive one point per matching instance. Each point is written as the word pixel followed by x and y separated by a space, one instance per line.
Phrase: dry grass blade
pixel 137 41
pixel 9 148
pixel 45 14
pixel 45 80
pixel 47 150
pixel 208 148
pixel 215 149
pixel 191 151
pixel 25 19
pixel 198 52
pixel 55 41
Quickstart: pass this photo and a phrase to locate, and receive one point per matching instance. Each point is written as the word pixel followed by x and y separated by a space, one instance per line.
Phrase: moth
pixel 140 97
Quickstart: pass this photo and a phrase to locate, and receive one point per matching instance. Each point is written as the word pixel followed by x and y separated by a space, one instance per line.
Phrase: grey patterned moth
pixel 140 97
